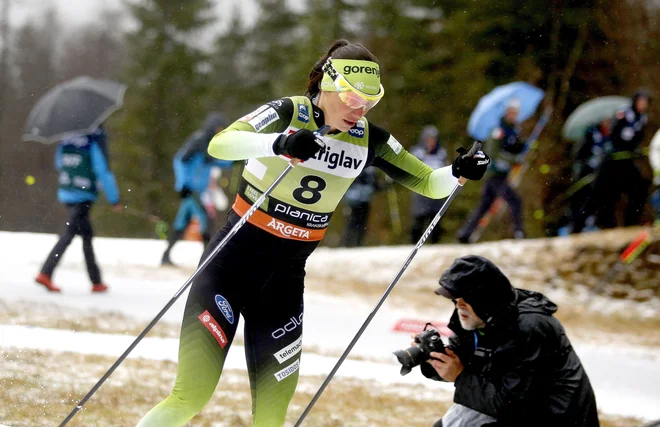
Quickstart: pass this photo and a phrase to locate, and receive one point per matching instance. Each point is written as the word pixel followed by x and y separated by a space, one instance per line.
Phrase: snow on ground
pixel 625 378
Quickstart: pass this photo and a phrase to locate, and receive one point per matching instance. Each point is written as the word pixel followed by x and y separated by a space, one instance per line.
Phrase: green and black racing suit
pixel 260 272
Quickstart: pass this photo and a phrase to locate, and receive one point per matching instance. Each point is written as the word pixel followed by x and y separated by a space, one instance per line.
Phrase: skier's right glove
pixel 470 167
pixel 302 145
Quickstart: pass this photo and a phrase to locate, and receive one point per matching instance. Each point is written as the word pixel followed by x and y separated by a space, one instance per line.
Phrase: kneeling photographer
pixel 510 360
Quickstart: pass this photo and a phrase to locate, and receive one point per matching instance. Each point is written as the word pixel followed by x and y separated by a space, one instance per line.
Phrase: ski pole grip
pixel 319 132
pixel 473 150
pixel 476 146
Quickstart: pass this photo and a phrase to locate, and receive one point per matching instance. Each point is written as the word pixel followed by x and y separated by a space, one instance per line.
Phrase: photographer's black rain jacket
pixel 523 370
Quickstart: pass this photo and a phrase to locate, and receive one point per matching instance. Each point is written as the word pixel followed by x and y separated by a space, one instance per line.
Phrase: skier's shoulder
pixel 379 136
pixel 275 111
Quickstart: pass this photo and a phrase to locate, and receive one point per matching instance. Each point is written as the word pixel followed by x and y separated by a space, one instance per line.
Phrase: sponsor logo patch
pixel 289 351
pixel 288 230
pixel 357 131
pixel 303 113
pixel 314 220
pixel 394 145
pixel 288 327
pixel 252 193
pixel 225 308
pixel 250 116
pixel 292 368
pixel 263 119
pixel 214 328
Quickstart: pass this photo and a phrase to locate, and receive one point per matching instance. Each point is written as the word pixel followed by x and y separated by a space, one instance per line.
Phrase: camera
pixel 428 340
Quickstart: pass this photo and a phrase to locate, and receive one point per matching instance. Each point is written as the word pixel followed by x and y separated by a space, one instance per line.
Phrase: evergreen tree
pixel 164 101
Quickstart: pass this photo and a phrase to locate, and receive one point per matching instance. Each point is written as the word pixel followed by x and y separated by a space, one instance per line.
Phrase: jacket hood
pixel 480 283
pixel 534 302
pixel 214 120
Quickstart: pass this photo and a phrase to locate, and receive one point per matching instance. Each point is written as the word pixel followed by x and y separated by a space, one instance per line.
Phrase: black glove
pixel 470 167
pixel 302 144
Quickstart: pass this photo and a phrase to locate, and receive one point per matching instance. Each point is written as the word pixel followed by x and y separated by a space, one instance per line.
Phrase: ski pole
pixel 202 266
pixel 627 257
pixel 461 181
pixel 161 226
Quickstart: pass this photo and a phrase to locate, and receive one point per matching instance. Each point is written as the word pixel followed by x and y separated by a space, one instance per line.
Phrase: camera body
pixel 429 341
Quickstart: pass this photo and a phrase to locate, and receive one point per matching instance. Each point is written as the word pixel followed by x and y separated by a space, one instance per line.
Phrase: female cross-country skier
pixel 260 272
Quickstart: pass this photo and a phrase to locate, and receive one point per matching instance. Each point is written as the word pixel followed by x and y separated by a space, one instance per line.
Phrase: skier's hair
pixel 340 49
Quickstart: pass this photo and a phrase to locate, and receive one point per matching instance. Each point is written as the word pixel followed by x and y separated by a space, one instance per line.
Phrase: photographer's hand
pixel 449 366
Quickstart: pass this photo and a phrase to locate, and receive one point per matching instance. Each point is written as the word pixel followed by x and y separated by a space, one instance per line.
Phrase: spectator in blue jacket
pixel 192 171
pixel 82 163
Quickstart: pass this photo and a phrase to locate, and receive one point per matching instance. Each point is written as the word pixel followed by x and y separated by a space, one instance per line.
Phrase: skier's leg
pixel 273 344
pixel 86 233
pixel 361 222
pixel 198 211
pixel 65 240
pixel 488 196
pixel 350 238
pixel 515 205
pixel 208 328
pixel 181 221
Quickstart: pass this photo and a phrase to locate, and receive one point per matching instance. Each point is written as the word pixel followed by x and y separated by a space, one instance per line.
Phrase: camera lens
pixel 409 358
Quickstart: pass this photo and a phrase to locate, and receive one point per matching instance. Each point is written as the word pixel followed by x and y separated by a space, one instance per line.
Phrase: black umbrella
pixel 75 107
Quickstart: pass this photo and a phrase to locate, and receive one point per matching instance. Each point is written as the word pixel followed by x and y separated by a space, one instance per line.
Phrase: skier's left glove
pixel 470 167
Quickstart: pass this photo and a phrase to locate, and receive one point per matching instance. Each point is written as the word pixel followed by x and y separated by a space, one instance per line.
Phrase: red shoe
pixel 99 288
pixel 44 280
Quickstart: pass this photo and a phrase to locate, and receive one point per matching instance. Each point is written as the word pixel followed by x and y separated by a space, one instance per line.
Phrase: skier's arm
pixel 100 168
pixel 406 169
pixel 58 158
pixel 179 172
pixel 253 135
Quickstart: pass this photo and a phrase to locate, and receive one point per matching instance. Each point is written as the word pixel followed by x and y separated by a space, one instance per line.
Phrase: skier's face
pixel 337 114
pixel 466 315
pixel 642 104
pixel 511 115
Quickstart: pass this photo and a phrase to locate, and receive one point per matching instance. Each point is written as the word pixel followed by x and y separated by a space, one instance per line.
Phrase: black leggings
pixel 77 224
pixel 260 277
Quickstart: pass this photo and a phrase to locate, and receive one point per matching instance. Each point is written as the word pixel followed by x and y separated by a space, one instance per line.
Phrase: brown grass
pixel 41 388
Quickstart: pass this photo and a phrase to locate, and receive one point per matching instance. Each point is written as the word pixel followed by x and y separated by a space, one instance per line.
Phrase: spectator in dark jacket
pixel 619 173
pixel 358 200
pixel 424 209
pixel 510 359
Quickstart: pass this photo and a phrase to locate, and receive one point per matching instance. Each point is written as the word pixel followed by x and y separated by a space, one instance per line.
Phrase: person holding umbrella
pixel 72 114
pixel 618 174
pixel 504 146
pixel 82 164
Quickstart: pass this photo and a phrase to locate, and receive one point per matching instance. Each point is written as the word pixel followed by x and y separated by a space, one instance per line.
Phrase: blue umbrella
pixel 492 107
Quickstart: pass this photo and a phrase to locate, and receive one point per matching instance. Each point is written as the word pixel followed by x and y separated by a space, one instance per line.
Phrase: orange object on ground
pixel 44 280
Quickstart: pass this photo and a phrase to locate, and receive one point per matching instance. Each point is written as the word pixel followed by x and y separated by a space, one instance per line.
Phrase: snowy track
pixel 625 379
